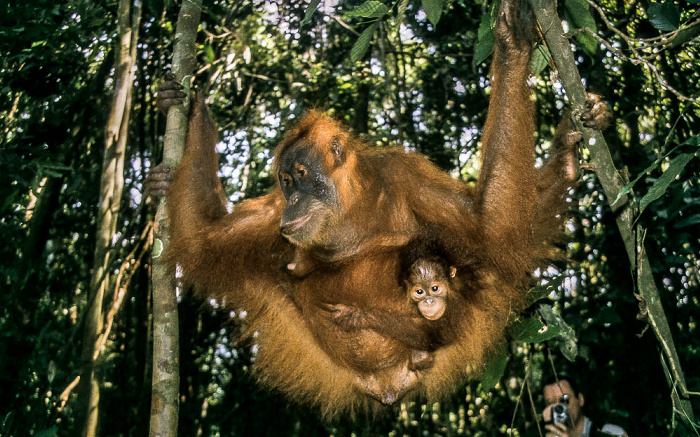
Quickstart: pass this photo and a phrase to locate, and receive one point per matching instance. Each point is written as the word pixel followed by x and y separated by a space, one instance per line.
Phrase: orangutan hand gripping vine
pixel 332 236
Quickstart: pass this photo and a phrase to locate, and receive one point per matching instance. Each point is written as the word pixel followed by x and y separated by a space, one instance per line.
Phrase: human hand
pixel 556 430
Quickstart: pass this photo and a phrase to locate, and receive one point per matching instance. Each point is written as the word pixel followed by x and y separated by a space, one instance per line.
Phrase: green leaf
pixel 541 291
pixel 209 54
pixel 484 45
pixel 52 173
pixel 532 330
pixel 690 221
pixel 664 16
pixel 661 185
pixel 7 422
pixel 587 42
pixel 309 12
pixel 540 59
pixel 433 9
pixel 495 368
pixel 51 432
pixel 567 337
pixel 400 13
pixel 362 44
pixel 626 189
pixel 54 166
pixel 9 200
pixel 579 14
pixel 369 9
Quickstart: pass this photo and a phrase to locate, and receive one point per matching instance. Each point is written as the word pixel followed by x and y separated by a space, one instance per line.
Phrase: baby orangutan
pixel 437 291
pixel 428 285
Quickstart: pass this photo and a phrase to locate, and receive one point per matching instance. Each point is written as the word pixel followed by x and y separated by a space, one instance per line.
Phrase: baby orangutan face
pixel 428 286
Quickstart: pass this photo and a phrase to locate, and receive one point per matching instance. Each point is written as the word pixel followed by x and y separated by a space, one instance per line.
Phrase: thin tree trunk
pixel 111 186
pixel 624 209
pixel 166 368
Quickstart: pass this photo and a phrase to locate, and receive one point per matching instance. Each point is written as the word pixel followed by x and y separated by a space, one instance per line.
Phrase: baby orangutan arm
pixel 410 330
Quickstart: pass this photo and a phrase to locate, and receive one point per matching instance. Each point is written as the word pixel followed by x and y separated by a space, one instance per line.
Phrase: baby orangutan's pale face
pixel 428 287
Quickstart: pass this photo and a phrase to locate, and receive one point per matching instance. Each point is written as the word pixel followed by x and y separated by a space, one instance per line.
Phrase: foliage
pixel 412 73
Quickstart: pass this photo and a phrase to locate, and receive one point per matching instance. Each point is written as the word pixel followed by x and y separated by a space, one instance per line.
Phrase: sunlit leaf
pixel 693 141
pixel 664 16
pixel 309 12
pixel 400 12
pixel 209 54
pixel 362 44
pixel 626 189
pixel 566 340
pixel 370 9
pixel 532 330
pixel 541 291
pixel 51 371
pixel 540 59
pixel 661 185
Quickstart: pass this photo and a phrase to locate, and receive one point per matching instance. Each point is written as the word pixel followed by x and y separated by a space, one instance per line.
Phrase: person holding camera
pixel 563 413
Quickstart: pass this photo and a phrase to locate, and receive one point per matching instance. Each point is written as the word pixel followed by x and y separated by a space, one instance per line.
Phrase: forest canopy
pixel 81 131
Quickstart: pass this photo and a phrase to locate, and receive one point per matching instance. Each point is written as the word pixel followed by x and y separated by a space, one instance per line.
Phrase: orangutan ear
pixel 338 151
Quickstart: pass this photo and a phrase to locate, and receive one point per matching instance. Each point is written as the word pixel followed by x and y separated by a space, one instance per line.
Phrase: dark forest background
pixel 80 132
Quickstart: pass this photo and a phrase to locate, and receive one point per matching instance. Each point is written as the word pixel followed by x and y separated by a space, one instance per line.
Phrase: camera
pixel 560 411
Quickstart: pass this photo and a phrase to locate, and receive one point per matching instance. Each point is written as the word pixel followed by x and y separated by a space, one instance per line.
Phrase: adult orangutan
pixel 351 209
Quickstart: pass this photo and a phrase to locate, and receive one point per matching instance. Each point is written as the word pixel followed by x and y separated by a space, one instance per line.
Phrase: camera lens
pixel 560 414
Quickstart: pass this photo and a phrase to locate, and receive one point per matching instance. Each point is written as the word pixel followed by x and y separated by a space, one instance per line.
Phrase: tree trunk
pixel 111 185
pixel 624 209
pixel 166 369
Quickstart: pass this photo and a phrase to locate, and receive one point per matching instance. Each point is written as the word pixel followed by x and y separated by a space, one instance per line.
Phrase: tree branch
pixel 166 350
